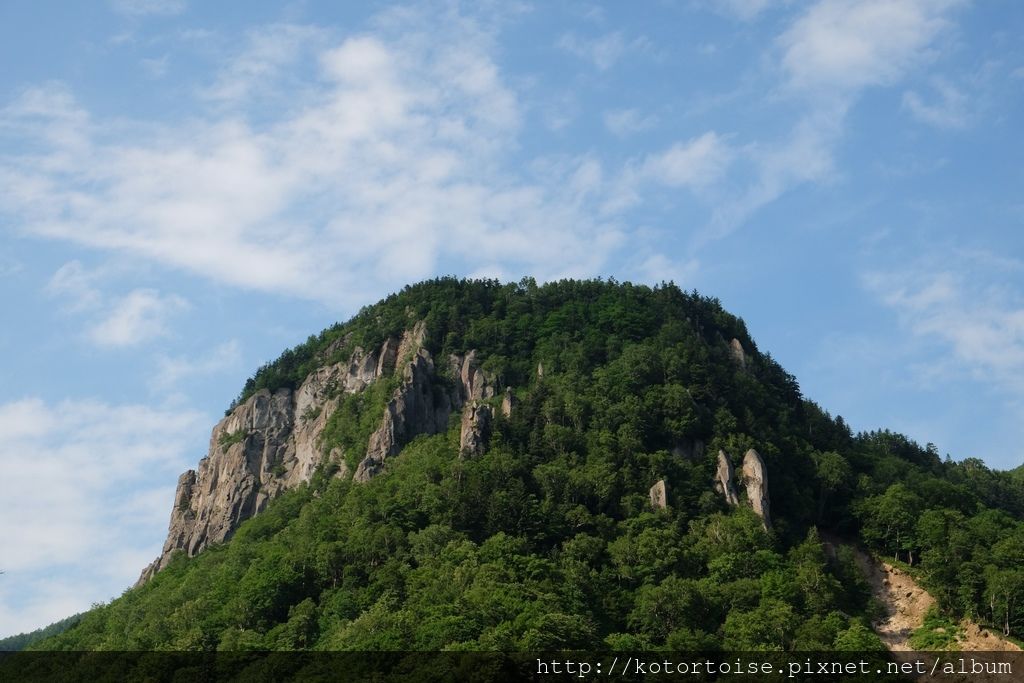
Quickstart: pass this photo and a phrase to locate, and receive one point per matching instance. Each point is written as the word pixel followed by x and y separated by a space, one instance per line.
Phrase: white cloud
pixel 84 499
pixel 744 10
pixel 172 370
pixel 149 7
pixel 139 316
pixel 805 156
pixel 695 164
pixel 114 321
pixel 948 108
pixel 262 62
pixel 846 45
pixel 623 122
pixel 830 54
pixel 397 154
pixel 660 268
pixel 603 51
pixel 155 67
pixel 77 284
pixel 10 266
pixel 980 323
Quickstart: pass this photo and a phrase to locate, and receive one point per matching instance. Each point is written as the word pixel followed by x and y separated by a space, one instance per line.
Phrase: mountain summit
pixel 583 464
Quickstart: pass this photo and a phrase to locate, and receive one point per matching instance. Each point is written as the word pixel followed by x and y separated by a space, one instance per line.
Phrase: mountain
pixel 470 465
pixel 23 640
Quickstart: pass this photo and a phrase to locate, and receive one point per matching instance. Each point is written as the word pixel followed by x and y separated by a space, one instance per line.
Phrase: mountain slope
pixel 471 465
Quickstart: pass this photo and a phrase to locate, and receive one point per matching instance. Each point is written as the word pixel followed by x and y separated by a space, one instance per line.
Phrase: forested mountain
pixel 23 640
pixel 472 465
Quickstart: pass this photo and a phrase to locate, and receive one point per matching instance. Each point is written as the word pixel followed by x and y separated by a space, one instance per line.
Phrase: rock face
pixel 273 441
pixel 420 406
pixel 659 495
pixel 508 403
pixel 266 445
pixel 414 409
pixel 473 388
pixel 476 429
pixel 738 354
pixel 388 358
pixel 473 383
pixel 724 480
pixel 755 479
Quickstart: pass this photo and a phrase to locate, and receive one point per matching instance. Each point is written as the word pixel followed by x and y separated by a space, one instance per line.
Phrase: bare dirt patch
pixel 906 604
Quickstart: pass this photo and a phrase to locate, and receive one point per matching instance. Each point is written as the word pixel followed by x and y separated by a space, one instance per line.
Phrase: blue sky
pixel 187 188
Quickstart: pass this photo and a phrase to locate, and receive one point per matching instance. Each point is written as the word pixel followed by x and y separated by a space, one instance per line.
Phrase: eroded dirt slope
pixel 906 604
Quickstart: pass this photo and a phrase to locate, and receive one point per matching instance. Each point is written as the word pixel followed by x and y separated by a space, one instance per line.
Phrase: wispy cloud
pixel 843 46
pixel 744 10
pixel 137 317
pixel 149 7
pixel 155 67
pixel 398 152
pixel 978 321
pixel 115 321
pixel 693 164
pixel 173 369
pixel 806 155
pixel 828 56
pixel 10 266
pixel 623 122
pixel 603 52
pixel 77 285
pixel 264 60
pixel 946 108
pixel 82 480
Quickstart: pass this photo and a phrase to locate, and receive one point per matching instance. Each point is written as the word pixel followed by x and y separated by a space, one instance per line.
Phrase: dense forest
pixel 23 640
pixel 548 540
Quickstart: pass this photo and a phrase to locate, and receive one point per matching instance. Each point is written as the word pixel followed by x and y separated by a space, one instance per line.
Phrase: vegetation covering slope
pixel 23 640
pixel 548 540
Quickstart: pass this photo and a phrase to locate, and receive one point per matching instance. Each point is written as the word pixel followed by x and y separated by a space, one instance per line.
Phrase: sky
pixel 187 189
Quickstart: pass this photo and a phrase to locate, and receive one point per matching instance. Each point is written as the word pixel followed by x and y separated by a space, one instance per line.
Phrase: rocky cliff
pixel 724 479
pixel 755 479
pixel 272 442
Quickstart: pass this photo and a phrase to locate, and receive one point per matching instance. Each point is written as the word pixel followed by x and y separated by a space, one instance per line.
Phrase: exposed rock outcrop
pixel 472 387
pixel 269 443
pixel 724 480
pixel 508 403
pixel 476 428
pixel 411 342
pixel 659 495
pixel 738 353
pixel 248 462
pixel 316 400
pixel 414 409
pixel 388 357
pixel 274 441
pixel 755 479
pixel 473 384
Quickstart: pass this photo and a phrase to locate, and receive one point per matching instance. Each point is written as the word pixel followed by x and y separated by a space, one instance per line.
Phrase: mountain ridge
pixel 547 467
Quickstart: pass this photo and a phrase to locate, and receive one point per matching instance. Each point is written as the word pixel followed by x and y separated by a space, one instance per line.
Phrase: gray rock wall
pixel 724 475
pixel 755 479
pixel 266 445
